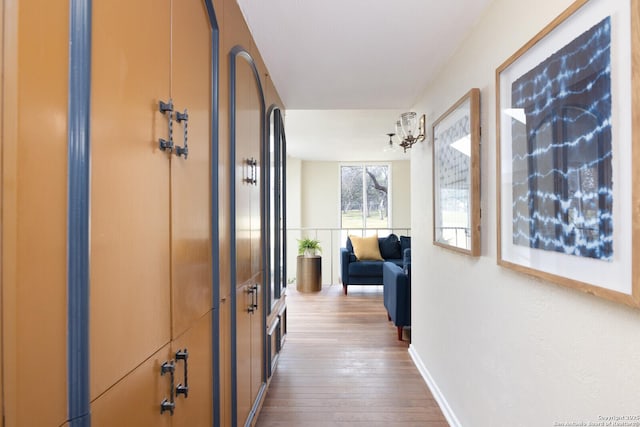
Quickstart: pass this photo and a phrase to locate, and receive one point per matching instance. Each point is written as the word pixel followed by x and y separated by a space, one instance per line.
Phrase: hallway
pixel 343 366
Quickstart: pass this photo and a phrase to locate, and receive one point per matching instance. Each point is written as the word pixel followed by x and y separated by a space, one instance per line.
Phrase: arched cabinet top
pixel 239 51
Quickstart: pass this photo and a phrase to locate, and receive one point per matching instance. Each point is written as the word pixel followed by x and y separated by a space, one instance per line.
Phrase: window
pixel 364 196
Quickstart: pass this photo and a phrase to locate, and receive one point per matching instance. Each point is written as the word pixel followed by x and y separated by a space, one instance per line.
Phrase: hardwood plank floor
pixel 342 365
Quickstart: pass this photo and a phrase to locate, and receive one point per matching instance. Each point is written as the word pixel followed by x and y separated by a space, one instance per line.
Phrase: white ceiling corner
pixel 344 69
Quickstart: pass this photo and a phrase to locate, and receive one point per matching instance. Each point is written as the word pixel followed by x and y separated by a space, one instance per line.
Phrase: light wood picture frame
pixel 456 176
pixel 568 174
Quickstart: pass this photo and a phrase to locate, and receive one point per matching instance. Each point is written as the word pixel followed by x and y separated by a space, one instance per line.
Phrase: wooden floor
pixel 342 365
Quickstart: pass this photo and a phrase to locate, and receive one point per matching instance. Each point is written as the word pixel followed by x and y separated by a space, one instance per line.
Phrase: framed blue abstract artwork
pixel 566 182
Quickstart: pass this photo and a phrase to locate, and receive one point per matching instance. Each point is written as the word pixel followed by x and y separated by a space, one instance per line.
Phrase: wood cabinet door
pixel 224 363
pixel 135 400
pixel 253 121
pixel 130 316
pixel 194 408
pixel 244 393
pixel 248 235
pixel 258 332
pixel 250 333
pixel 257 232
pixel 151 209
pixel 35 56
pixel 246 164
pixel 243 223
pixel 191 175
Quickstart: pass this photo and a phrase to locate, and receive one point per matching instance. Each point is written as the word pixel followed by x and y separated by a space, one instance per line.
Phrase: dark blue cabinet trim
pixel 269 259
pixel 239 51
pixel 277 240
pixel 215 207
pixel 78 212
pixel 283 190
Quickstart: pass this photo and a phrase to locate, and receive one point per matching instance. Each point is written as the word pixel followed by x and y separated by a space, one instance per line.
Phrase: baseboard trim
pixel 437 394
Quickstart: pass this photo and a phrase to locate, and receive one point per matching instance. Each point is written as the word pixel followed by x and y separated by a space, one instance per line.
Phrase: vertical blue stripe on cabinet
pixel 215 207
pixel 283 192
pixel 78 212
pixel 232 229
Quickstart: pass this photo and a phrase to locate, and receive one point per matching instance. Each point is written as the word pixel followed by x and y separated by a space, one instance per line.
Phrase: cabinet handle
pixel 252 173
pixel 253 291
pixel 184 150
pixel 255 296
pixel 167 107
pixel 250 291
pixel 168 405
pixel 183 389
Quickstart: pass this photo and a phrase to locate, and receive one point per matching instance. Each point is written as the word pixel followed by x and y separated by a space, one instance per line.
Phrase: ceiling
pixel 345 69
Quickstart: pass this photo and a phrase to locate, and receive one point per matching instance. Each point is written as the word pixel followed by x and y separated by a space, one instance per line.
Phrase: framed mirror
pixel 456 176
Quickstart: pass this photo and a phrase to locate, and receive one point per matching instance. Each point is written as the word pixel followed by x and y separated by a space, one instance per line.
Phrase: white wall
pixel 320 197
pixel 294 190
pixel 294 213
pixel 401 194
pixel 504 349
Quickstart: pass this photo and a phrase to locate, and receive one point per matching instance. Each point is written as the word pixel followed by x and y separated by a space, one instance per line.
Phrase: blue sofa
pixel 355 272
pixel 397 292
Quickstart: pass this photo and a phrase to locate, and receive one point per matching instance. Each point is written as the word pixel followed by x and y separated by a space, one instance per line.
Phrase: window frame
pixel 364 165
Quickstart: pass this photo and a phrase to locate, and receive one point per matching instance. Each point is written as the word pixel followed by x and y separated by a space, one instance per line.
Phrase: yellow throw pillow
pixel 366 248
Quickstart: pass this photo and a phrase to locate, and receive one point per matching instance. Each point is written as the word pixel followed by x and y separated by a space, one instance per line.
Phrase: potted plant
pixel 308 247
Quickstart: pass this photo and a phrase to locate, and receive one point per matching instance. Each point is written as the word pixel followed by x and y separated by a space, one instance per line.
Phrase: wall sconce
pixel 410 130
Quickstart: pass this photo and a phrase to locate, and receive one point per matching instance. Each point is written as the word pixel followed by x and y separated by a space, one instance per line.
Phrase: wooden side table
pixel 309 274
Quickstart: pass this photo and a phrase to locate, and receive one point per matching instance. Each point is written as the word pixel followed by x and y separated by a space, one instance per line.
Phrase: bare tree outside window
pixel 364 198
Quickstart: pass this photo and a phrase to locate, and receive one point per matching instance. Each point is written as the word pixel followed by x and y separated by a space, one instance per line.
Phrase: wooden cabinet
pixel 195 409
pixel 191 176
pixel 35 46
pixel 151 283
pixel 135 400
pixel 130 273
pixel 258 225
pixel 248 235
pixel 243 353
pixel 225 362
pixel 149 229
